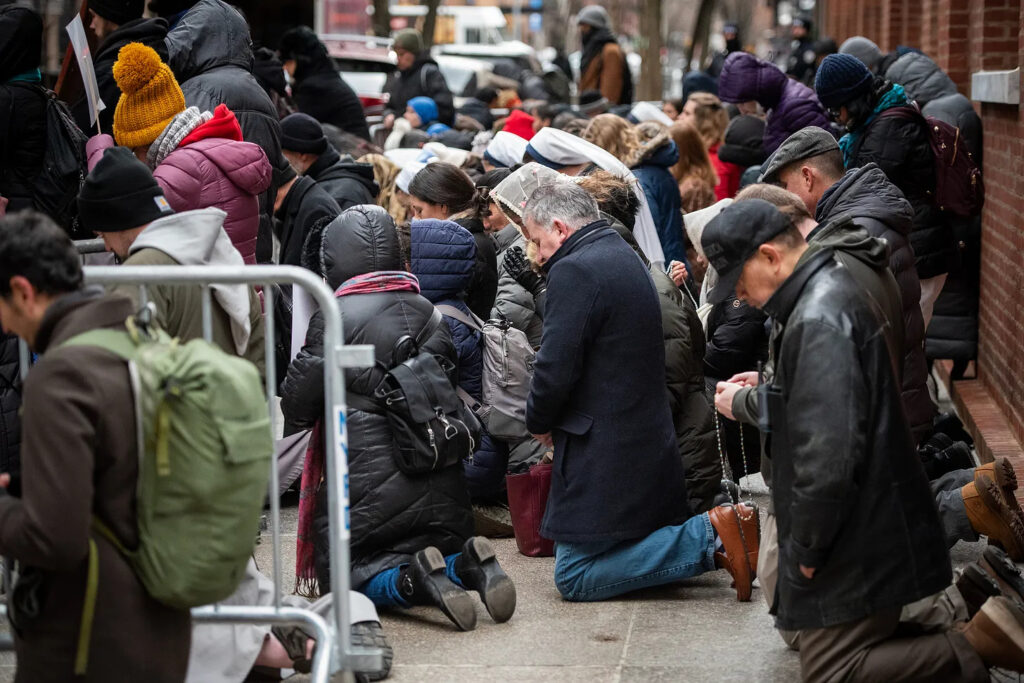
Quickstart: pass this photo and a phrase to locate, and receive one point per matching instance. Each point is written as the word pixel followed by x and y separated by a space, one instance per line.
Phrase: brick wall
pixel 965 36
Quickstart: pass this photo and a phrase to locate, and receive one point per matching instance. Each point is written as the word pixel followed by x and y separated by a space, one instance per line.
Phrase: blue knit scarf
pixel 896 97
pixel 34 76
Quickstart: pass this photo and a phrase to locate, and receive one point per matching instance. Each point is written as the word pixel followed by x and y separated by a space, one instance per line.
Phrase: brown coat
pixel 80 458
pixel 605 73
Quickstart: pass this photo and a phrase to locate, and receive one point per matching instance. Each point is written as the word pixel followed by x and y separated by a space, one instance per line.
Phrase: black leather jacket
pixel 851 499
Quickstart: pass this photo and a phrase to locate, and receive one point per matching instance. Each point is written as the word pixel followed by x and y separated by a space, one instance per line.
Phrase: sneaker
pixel 739 528
pixel 1004 571
pixel 424 581
pixel 990 515
pixel 997 633
pixel 370 635
pixel 478 569
pixel 976 586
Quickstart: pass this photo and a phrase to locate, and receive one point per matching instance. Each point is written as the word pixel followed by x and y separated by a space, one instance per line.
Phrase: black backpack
pixel 55 190
pixel 430 428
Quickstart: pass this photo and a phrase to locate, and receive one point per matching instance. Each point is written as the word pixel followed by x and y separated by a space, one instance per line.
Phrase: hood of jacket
pixel 332 166
pixel 744 78
pixel 151 32
pixel 842 234
pixel 660 150
pixel 443 258
pixel 361 240
pixel 210 35
pixel 922 78
pixel 21 40
pixel 244 163
pixel 197 238
pixel 866 192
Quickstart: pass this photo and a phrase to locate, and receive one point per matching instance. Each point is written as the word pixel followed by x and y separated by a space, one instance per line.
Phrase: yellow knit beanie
pixel 150 96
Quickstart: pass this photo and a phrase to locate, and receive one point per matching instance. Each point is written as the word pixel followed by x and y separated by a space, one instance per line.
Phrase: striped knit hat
pixel 150 96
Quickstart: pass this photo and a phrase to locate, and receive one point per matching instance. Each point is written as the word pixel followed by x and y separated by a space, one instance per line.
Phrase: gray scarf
pixel 176 131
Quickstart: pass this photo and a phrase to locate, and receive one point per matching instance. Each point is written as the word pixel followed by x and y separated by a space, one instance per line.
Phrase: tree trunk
pixel 430 22
pixel 381 18
pixel 701 27
pixel 650 85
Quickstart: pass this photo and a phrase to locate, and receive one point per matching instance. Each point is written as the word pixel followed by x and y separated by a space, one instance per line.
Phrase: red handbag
pixel 527 500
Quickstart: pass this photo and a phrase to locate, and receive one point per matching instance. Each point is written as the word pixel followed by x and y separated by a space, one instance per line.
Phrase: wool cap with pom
pixel 150 96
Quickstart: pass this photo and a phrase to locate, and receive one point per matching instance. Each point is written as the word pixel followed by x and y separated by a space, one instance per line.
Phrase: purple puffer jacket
pixel 213 172
pixel 790 105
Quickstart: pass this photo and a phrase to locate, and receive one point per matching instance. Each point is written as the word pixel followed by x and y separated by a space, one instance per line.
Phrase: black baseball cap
pixel 734 235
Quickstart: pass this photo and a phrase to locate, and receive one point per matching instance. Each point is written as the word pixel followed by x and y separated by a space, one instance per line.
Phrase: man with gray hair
pixel 617 506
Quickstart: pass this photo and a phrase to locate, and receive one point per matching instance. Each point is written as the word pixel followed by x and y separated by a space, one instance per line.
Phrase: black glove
pixel 519 268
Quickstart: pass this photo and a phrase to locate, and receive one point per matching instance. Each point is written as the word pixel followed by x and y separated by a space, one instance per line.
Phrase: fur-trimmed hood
pixel 660 150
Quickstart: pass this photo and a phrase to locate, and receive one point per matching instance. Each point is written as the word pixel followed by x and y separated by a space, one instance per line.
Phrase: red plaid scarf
pixel 314 469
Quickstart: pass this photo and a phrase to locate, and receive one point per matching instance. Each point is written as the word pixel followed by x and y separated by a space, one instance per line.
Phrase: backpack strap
pixel 118 342
pixel 429 329
pixel 469 320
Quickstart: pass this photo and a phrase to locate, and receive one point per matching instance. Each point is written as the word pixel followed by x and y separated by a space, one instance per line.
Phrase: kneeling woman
pixel 412 540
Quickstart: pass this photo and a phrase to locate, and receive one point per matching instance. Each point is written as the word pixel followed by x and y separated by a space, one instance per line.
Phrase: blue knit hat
pixel 841 78
pixel 425 108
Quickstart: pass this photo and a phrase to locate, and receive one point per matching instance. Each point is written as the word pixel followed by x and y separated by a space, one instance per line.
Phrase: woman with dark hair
pixel 318 90
pixel 445 192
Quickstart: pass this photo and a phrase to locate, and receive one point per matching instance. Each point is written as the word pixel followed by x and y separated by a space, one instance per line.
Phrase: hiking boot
pixel 1004 571
pixel 990 515
pixel 370 635
pixel 479 571
pixel 950 459
pixel 424 581
pixel 1001 472
pixel 976 586
pixel 739 528
pixel 997 633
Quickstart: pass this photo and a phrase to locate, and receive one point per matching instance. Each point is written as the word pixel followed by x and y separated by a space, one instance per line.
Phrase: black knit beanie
pixel 744 142
pixel 120 194
pixel 118 11
pixel 303 134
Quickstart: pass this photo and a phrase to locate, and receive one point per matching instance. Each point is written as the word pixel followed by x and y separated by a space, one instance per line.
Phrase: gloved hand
pixel 519 268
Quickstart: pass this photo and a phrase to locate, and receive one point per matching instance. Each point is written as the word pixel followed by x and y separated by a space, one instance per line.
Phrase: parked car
pixel 364 62
pixel 465 75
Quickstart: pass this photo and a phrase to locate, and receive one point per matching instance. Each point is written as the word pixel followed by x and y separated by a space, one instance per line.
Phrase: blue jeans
pixel 587 572
pixel 383 591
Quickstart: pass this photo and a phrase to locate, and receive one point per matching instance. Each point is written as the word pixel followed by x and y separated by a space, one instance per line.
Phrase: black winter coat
pixel 210 52
pixel 10 404
pixel 149 32
pixel 424 78
pixel 393 515
pixel 322 93
pixel 304 206
pixel 737 339
pixel 878 206
pixel 483 289
pixel 851 499
pixel 346 181
pixel 598 389
pixel 902 150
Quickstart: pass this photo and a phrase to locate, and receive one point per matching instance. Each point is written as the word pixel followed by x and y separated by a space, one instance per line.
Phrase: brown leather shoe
pixel 1001 472
pixel 990 515
pixel 997 633
pixel 739 528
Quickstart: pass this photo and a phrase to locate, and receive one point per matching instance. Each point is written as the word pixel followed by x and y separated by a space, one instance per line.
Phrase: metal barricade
pixel 340 656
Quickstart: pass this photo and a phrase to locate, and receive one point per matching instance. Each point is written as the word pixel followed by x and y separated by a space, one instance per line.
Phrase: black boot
pixel 479 571
pixel 424 581
pixel 950 459
pixel 976 586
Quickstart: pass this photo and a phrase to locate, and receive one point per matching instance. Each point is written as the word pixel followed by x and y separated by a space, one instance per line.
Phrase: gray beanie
pixel 594 15
pixel 408 39
pixel 863 49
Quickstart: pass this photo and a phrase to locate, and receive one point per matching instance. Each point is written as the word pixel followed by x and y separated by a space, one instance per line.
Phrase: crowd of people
pixel 754 278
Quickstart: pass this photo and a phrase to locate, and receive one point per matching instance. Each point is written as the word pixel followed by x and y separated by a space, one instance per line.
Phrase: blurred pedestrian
pixel 417 75
pixel 603 64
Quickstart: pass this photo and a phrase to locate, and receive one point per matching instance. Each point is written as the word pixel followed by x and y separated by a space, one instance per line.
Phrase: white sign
pixel 80 44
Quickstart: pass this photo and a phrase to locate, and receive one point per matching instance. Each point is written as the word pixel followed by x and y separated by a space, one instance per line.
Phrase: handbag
pixel 527 500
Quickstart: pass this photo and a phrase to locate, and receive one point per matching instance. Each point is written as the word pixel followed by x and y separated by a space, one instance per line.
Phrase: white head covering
pixel 694 223
pixel 512 192
pixel 645 111
pixel 451 155
pixel 556 149
pixel 403 155
pixel 505 149
pixel 407 173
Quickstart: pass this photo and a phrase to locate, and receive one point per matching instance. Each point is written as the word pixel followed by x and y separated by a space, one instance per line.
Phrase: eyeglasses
pixel 834 113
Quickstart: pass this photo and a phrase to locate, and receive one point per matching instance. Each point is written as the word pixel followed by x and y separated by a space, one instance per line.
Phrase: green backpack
pixel 204 466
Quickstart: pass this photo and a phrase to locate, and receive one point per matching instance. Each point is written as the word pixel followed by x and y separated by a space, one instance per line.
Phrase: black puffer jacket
pixel 851 499
pixel 876 205
pixel 10 404
pixel 424 78
pixel 737 339
pixel 304 206
pixel 393 515
pixel 902 150
pixel 210 52
pixel 347 181
pixel 149 32
pixel 22 109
